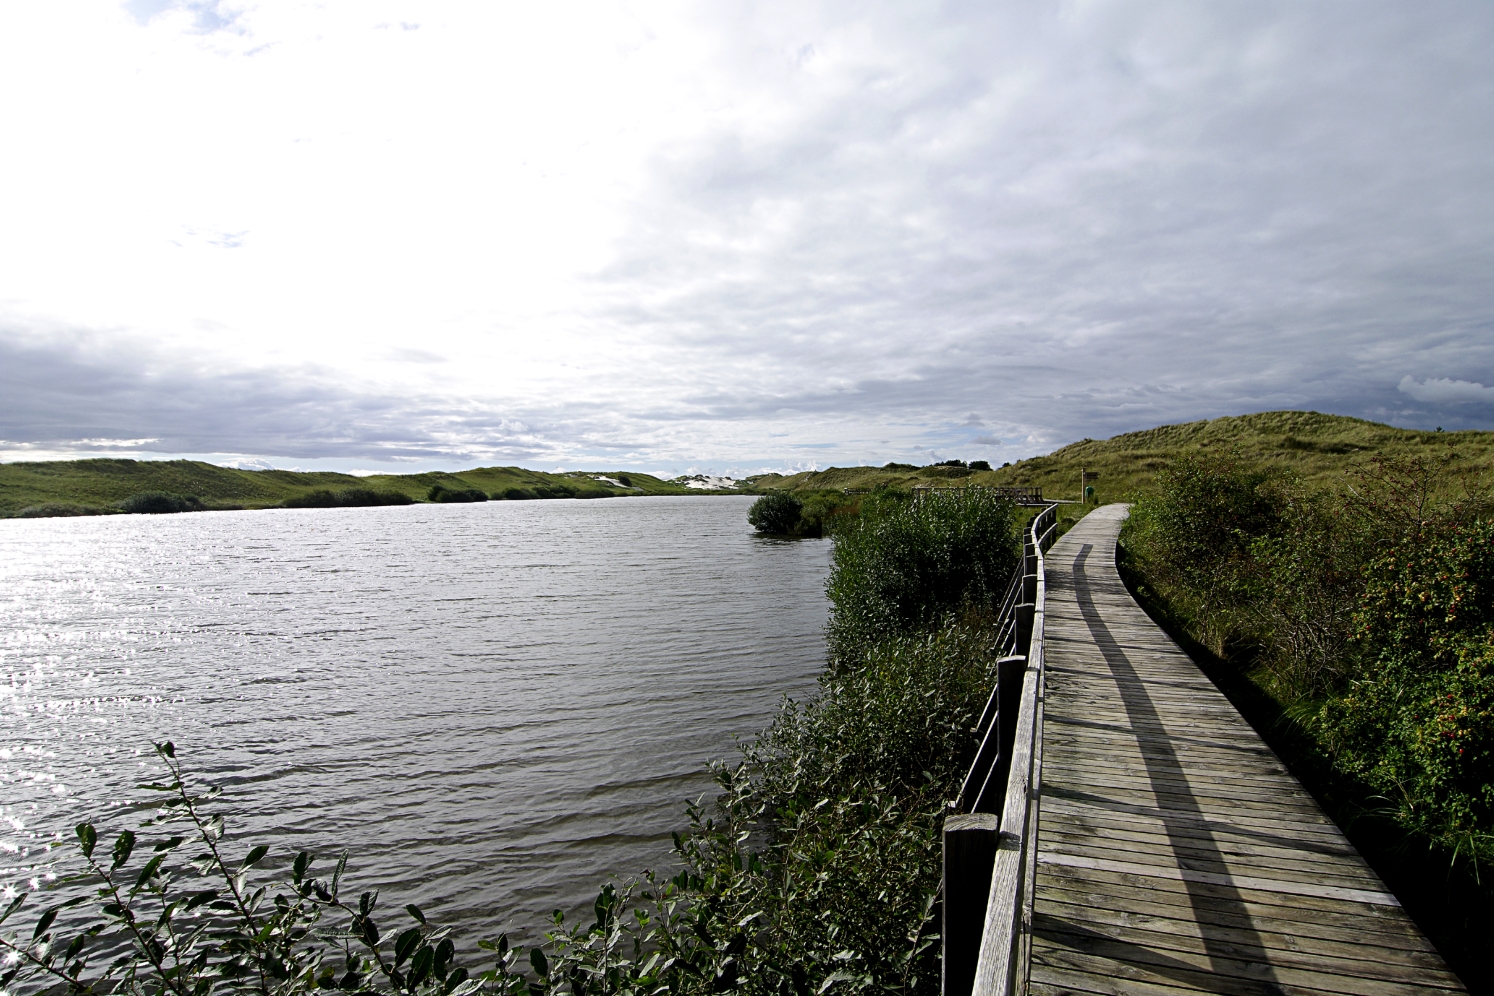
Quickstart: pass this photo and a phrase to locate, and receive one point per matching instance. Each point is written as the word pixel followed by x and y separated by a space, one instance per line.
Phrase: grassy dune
pixel 101 483
pixel 1319 448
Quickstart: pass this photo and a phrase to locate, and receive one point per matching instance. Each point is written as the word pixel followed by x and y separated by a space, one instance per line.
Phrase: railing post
pixel 1009 691
pixel 1022 614
pixel 969 855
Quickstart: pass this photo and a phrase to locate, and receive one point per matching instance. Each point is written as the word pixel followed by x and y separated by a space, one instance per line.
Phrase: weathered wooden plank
pixel 1286 937
pixel 1107 900
pixel 1208 894
pixel 1212 974
pixel 1351 961
pixel 1173 852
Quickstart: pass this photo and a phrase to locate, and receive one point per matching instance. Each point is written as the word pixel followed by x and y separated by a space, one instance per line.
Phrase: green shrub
pixel 902 565
pixel 555 491
pixel 159 503
pixel 1417 721
pixel 319 498
pixel 517 494
pixel 441 493
pixel 368 497
pixel 1193 540
pixel 979 465
pixel 347 498
pixel 776 513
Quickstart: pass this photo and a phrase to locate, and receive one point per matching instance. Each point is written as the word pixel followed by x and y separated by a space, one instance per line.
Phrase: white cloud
pixel 749 234
pixel 1442 390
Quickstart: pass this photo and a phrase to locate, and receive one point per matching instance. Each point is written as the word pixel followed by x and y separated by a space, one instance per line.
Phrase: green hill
pixel 100 483
pixel 1319 448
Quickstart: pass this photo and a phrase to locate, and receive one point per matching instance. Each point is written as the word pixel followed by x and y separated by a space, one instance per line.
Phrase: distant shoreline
pixel 107 486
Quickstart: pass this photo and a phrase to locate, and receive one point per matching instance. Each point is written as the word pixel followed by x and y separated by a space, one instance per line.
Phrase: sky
pixel 387 236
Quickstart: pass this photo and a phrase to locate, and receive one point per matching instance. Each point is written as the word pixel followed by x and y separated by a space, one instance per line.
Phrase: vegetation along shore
pixel 108 486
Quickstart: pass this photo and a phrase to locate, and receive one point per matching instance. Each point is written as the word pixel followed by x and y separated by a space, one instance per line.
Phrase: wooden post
pixel 1009 674
pixel 1023 615
pixel 969 854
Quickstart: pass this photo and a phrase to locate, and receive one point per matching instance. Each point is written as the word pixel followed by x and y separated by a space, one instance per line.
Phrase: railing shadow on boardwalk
pixel 1186 825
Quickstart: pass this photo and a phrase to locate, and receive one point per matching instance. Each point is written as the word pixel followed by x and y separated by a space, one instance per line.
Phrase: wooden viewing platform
pixel 1174 853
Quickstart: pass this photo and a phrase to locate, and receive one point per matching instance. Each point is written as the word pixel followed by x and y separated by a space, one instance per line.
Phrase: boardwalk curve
pixel 1174 852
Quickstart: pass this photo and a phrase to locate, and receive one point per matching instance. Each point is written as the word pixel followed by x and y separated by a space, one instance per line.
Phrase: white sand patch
pixel 706 482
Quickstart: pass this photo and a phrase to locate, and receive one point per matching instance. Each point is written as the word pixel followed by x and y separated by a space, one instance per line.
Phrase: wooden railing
pixel 991 827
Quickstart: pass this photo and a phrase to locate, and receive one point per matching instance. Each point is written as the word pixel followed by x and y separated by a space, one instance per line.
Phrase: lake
pixel 494 706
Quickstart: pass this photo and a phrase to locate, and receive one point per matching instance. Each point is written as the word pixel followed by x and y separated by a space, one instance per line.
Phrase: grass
pixel 99 484
pixel 1318 448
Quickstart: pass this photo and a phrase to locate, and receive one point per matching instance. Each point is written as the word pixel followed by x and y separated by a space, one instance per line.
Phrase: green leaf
pixel 414 911
pixel 342 863
pixel 44 923
pixel 298 869
pixel 405 944
pixel 541 965
pixel 87 838
pixel 149 870
pixel 123 845
pixel 464 986
pixel 444 952
pixel 420 968
pixel 167 845
pixel 15 904
pixel 254 856
pixel 370 931
pixel 167 749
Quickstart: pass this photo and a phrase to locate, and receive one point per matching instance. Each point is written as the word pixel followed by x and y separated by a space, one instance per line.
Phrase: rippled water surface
pixel 493 706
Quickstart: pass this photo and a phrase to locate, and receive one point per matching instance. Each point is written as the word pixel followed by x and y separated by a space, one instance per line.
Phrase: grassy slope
pixel 1319 448
pixel 103 482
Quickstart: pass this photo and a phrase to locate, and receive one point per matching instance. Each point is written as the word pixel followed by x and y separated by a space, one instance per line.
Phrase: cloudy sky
pixel 727 237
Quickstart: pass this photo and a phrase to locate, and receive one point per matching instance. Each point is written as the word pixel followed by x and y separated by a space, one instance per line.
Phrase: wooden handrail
pixel 976 844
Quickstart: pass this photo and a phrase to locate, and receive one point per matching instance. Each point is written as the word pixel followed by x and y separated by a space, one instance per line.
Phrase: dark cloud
pixel 68 389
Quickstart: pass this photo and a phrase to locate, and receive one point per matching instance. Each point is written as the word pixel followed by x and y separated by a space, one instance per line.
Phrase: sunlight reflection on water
pixel 493 706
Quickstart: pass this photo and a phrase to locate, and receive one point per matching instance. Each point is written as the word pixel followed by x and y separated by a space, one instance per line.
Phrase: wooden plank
pixel 1345 946
pixel 1100 954
pixel 1206 894
pixel 1382 934
pixel 1241 882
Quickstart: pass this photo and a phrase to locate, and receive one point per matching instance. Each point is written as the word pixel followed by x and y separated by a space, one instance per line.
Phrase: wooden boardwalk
pixel 1175 853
